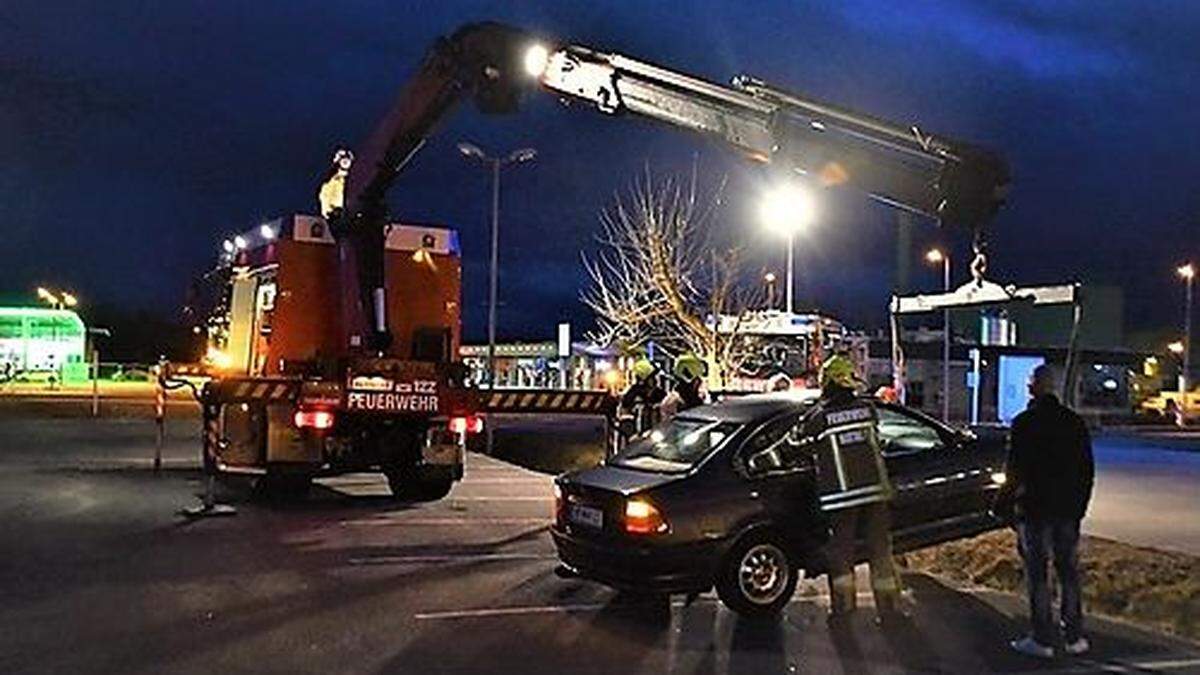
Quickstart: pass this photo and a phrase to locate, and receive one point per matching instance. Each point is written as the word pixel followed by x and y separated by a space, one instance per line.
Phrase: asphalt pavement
pixel 100 574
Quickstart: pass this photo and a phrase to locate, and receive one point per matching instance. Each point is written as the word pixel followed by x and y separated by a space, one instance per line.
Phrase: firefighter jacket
pixel 841 431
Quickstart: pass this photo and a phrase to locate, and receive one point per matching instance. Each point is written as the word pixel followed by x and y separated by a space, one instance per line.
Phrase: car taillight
pixel 471 424
pixel 314 419
pixel 642 517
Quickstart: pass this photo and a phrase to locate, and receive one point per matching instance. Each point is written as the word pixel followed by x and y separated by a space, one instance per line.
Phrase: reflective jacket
pixel 841 431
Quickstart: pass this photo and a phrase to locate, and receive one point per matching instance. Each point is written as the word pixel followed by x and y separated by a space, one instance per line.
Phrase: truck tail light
pixel 642 517
pixel 471 424
pixel 314 419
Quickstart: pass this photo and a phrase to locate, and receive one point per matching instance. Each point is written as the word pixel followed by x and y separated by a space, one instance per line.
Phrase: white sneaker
pixel 1077 647
pixel 1030 647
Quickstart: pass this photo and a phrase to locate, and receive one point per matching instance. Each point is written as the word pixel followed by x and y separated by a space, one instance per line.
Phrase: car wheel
pixel 757 577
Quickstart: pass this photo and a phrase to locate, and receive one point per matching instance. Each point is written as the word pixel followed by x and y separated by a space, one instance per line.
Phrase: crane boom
pixel 953 182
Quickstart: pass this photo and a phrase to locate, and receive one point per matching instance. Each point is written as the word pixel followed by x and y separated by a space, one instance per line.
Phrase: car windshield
pixel 676 445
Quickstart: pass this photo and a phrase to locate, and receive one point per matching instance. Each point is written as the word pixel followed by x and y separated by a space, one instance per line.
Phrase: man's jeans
pixel 1037 539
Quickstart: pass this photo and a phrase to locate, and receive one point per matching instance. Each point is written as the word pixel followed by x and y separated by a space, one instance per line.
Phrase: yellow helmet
pixel 642 370
pixel 689 367
pixel 838 371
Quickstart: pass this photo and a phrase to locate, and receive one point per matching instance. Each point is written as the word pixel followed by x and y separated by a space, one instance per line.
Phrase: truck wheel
pixel 407 486
pixel 757 578
pixel 284 487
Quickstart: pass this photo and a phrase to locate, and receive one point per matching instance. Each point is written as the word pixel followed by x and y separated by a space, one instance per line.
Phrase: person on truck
pixel 853 490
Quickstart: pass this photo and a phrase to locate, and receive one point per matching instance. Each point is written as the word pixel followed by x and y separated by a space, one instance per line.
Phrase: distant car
pixel 721 496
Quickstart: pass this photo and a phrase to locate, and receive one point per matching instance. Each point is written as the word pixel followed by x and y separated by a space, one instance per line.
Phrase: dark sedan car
pixel 722 495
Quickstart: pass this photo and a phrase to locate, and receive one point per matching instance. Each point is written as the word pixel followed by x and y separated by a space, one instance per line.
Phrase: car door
pixel 778 468
pixel 937 478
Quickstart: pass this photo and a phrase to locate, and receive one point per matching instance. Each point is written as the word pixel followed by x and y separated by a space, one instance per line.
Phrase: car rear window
pixel 676 445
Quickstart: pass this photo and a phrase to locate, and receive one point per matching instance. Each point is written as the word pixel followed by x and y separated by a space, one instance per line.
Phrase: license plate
pixel 586 515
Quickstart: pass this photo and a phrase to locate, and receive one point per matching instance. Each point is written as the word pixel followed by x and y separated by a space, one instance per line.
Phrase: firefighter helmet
pixel 689 367
pixel 838 371
pixel 642 370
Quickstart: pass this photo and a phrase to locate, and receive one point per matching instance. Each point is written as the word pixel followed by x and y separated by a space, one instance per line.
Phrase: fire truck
pixel 343 331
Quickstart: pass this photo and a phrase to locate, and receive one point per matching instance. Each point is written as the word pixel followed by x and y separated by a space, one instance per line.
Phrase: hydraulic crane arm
pixel 954 182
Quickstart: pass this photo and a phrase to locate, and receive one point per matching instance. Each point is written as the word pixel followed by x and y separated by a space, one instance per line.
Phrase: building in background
pixel 537 365
pixel 36 340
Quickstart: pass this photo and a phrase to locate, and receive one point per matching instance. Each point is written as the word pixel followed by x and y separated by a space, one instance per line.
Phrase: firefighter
pixel 688 391
pixel 642 398
pixel 853 491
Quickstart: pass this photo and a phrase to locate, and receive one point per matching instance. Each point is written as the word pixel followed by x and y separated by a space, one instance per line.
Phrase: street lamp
pixel 769 278
pixel 785 210
pixel 472 151
pixel 1188 274
pixel 935 256
pixel 57 300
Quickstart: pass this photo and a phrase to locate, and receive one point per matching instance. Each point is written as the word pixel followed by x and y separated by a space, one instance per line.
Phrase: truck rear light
pixel 642 517
pixel 314 419
pixel 471 424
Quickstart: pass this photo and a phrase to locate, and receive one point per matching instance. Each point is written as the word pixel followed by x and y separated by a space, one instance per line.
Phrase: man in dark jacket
pixel 1050 474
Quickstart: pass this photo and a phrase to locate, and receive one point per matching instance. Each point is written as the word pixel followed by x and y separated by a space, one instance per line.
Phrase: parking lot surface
pixel 101 574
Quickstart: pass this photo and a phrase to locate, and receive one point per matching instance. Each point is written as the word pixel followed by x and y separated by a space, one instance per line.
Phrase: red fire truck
pixel 273 411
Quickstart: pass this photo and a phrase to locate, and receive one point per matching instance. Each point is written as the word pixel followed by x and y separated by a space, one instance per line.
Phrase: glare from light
pixel 769 277
pixel 657 436
pixel 935 255
pixel 999 478
pixel 1175 347
pixel 692 438
pixel 1187 271
pixel 471 150
pixel 218 358
pixel 240 242
pixel 267 232
pixel 1110 384
pixel 636 508
pixel 787 208
pixel 228 246
pixel 537 57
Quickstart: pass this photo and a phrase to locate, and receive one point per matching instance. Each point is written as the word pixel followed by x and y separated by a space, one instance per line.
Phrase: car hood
pixel 617 479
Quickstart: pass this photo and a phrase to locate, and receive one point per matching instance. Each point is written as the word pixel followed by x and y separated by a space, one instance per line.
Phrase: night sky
pixel 135 136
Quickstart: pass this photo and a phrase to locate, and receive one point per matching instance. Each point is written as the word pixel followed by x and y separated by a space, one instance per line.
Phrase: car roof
pixel 750 408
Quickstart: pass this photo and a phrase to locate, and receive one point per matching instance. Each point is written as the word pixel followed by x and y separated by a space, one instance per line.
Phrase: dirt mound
pixel 1157 589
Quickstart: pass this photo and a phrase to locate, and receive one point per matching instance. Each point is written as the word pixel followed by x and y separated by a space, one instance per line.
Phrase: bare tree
pixel 658 276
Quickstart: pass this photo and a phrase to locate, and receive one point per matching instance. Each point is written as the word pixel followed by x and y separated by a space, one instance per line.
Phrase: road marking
pixel 449 557
pixel 486 612
pixel 515 479
pixel 447 521
pixel 547 498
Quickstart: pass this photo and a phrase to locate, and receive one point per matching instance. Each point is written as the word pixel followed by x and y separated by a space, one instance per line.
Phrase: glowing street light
pixel 769 278
pixel 266 232
pixel 57 300
pixel 1187 272
pixel 69 300
pixel 1175 347
pixel 240 242
pixel 935 256
pixel 785 210
pixel 537 57
pixel 228 246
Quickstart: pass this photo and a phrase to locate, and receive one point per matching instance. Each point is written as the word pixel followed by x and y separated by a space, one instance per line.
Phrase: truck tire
pixel 757 577
pixel 284 487
pixel 407 485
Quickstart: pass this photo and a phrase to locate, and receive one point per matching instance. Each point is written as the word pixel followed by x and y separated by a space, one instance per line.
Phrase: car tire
pixel 757 577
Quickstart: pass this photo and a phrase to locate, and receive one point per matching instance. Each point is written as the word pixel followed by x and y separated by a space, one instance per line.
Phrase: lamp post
pixel 769 278
pixel 935 256
pixel 1188 274
pixel 787 209
pixel 472 151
